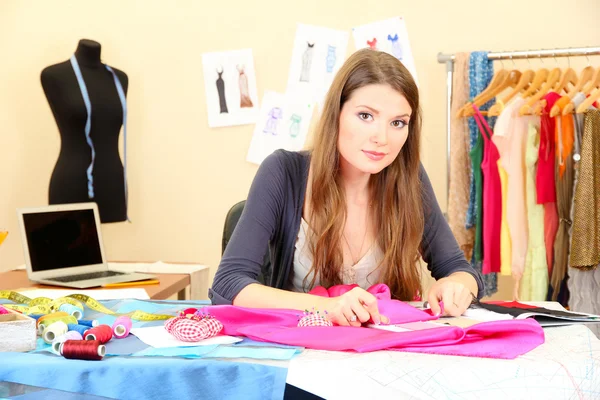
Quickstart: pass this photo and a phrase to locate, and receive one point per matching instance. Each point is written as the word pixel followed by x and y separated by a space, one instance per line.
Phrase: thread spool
pixel 121 327
pixel 72 310
pixel 88 322
pixel 36 316
pixel 54 330
pixel 103 333
pixel 81 329
pixel 82 349
pixel 47 320
pixel 70 335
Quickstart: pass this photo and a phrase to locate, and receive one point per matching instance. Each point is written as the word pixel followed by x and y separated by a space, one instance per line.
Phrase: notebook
pixel 62 246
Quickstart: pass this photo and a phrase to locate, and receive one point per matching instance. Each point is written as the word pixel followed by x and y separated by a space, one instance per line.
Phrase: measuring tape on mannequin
pixel 44 305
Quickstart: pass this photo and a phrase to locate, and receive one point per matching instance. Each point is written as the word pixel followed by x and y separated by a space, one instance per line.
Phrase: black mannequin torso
pixel 69 182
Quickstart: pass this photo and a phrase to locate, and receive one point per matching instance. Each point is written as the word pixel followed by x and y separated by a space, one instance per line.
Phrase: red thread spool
pixel 103 333
pixel 82 349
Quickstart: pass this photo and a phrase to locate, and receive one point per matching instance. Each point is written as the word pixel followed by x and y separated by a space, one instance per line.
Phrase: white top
pixel 364 272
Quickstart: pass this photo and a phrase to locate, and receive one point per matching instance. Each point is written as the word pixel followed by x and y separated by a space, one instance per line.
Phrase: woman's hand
pixel 354 308
pixel 456 293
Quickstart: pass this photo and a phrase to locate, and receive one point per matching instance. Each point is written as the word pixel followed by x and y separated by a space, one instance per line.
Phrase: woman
pixel 358 208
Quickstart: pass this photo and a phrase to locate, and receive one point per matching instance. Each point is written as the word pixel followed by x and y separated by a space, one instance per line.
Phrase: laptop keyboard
pixel 84 277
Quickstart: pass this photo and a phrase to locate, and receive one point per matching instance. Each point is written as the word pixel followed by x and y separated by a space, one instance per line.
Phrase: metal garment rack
pixel 448 59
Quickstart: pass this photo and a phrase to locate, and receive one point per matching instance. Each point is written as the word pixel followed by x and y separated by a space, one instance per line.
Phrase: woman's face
pixel 373 128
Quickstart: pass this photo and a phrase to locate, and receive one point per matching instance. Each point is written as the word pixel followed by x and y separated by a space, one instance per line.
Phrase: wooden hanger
pixel 524 82
pixel 594 83
pixel 497 79
pixel 553 77
pixel 587 76
pixel 569 76
pixel 511 80
pixel 587 103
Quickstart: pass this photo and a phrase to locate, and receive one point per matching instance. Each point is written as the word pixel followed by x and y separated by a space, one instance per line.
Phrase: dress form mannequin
pixel 70 182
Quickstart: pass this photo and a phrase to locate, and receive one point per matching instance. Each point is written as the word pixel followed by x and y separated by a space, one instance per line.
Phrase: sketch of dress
pixel 295 120
pixel 373 43
pixel 245 100
pixel 307 62
pixel 273 121
pixel 330 59
pixel 396 48
pixel 221 90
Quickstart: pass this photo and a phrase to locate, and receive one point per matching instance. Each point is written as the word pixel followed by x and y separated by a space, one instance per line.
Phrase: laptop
pixel 62 245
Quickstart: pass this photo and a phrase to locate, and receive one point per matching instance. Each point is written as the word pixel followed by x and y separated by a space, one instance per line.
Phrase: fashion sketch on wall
pixel 318 53
pixel 388 35
pixel 282 124
pixel 230 87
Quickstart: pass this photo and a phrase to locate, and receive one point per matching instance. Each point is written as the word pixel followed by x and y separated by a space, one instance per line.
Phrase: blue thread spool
pixel 36 316
pixel 87 322
pixel 71 310
pixel 78 328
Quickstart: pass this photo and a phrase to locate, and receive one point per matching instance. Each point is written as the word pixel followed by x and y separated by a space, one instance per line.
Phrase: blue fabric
pixel 185 352
pixel 146 377
pixel 481 72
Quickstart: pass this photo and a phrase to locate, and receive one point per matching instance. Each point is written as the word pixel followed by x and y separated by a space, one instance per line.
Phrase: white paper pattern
pixel 158 337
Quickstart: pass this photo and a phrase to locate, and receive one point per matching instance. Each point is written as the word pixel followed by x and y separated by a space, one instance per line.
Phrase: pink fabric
pixel 544 178
pixel 503 339
pixel 492 198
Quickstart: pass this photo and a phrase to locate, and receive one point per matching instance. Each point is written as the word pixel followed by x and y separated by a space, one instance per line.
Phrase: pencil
pixel 135 283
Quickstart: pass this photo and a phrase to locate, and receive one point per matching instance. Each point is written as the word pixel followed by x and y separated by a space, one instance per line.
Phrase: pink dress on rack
pixel 499 339
pixel 492 198
pixel 544 180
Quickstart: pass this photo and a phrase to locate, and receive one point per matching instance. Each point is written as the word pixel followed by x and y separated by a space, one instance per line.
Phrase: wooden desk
pixel 169 284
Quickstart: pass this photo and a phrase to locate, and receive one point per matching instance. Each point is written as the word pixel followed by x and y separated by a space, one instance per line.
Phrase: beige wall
pixel 183 175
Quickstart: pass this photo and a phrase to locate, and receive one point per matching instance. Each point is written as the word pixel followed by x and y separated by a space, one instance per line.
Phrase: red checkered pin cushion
pixel 193 328
pixel 314 318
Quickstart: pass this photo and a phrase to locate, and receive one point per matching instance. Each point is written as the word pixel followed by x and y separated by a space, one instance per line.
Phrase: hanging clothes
pixel 460 167
pixel 245 100
pixel 534 283
pixel 545 182
pixel 481 71
pixel 585 250
pixel 492 198
pixel 564 192
pixel 510 136
pixel 582 283
pixel 505 243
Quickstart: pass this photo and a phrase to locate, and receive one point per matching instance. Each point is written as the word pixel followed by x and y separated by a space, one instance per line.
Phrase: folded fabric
pixel 497 339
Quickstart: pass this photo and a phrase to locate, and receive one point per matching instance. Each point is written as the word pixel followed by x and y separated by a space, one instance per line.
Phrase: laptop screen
pixel 62 239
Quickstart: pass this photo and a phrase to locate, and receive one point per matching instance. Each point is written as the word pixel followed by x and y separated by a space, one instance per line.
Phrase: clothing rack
pixel 448 59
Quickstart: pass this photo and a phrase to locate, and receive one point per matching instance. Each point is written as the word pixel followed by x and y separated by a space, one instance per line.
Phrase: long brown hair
pixel 395 191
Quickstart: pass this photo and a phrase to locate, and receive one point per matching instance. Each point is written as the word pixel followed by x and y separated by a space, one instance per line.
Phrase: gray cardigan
pixel 272 216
